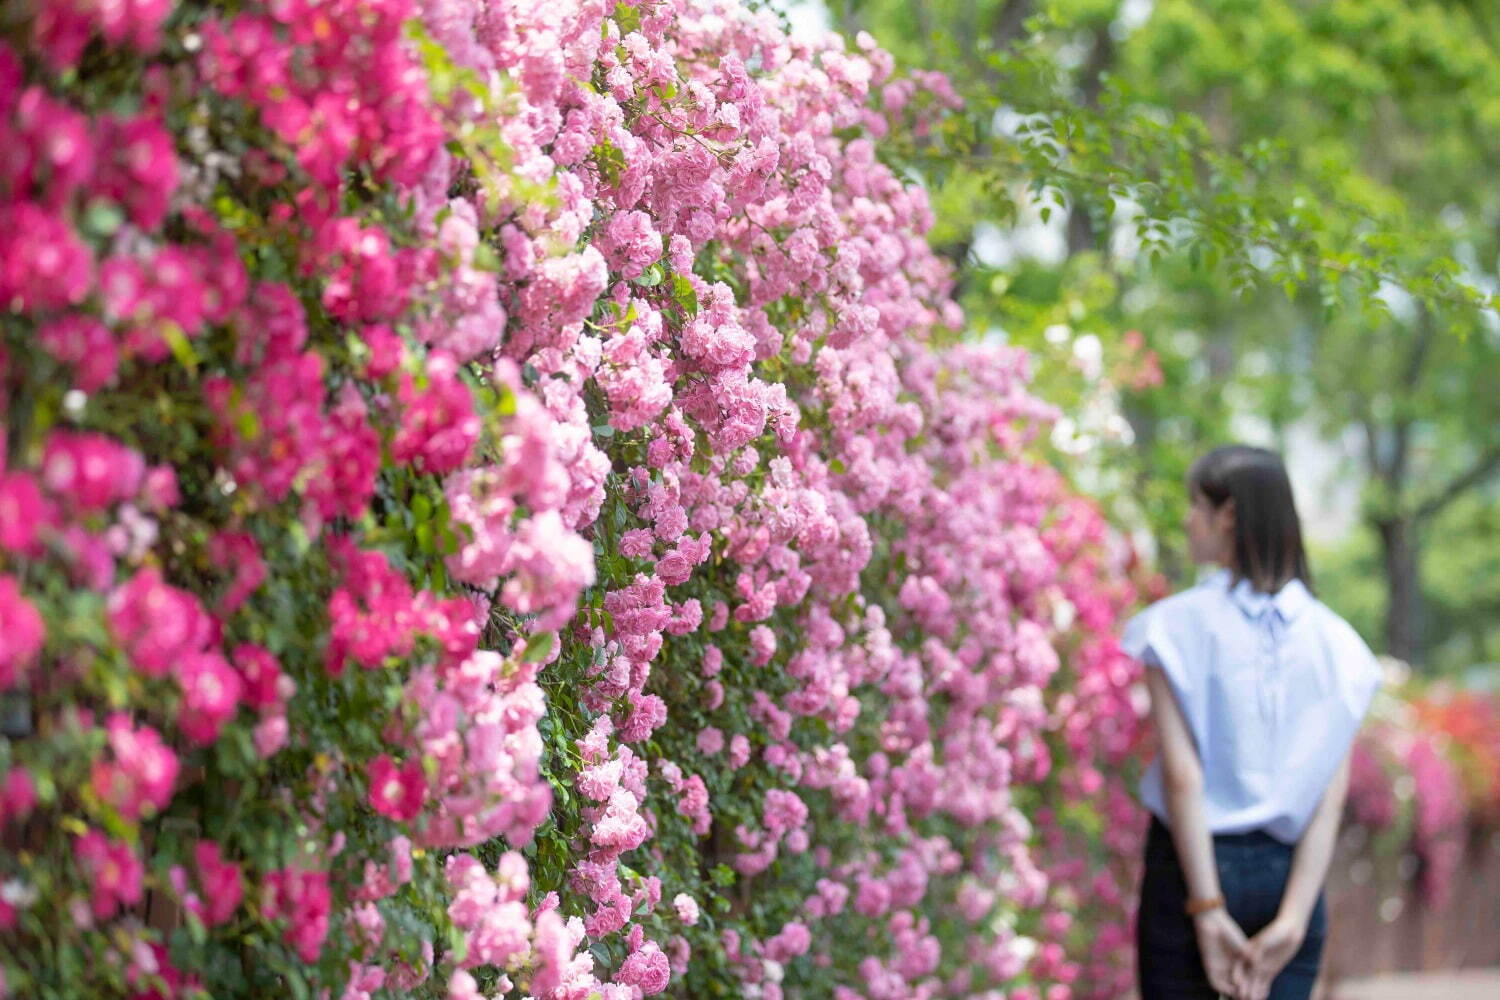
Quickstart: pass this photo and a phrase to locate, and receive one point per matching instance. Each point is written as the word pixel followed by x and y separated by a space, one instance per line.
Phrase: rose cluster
pixel 474 471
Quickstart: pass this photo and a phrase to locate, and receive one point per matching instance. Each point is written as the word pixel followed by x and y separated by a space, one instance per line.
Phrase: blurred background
pixel 1392 430
pixel 1369 130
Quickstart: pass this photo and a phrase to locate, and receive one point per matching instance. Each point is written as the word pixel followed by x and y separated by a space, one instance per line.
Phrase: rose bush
pixel 476 472
pixel 1425 778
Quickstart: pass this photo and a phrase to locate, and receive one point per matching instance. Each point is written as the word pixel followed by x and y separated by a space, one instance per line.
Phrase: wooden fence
pixel 1378 922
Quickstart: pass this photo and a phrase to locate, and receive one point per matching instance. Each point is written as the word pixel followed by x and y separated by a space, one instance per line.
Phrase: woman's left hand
pixel 1223 947
pixel 1270 952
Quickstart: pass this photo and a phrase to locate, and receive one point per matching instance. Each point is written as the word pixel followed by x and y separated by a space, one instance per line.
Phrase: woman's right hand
pixel 1269 952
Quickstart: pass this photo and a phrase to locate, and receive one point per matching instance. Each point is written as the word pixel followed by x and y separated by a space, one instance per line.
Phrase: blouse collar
pixel 1289 601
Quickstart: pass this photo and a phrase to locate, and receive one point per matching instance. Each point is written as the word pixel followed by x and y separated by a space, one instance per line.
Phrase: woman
pixel 1257 689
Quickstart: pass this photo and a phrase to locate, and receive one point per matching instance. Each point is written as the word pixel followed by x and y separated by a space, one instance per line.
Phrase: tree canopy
pixel 1289 201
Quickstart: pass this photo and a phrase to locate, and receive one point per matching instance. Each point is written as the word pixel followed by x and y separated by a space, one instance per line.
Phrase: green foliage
pixel 1292 202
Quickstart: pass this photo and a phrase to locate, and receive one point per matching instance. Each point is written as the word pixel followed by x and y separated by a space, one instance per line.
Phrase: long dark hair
pixel 1267 532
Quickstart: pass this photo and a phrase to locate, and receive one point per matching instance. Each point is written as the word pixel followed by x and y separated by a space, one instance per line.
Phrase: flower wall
pixel 495 502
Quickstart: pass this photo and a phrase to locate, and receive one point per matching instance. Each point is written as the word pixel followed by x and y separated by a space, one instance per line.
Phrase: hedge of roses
pixel 494 503
pixel 1425 778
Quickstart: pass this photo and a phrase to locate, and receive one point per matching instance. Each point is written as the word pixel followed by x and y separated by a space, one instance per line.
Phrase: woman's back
pixel 1273 689
pixel 1256 692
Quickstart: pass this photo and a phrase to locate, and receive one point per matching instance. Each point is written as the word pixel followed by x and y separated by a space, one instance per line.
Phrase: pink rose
pixel 397 793
pixel 21 638
pixel 210 696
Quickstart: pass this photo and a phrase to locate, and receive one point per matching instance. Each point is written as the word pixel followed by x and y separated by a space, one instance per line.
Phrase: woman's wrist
pixel 1293 916
pixel 1207 918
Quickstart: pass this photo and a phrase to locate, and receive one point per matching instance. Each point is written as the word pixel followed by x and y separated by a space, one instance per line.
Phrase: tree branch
pixel 1486 465
pixel 1417 360
pixel 1366 416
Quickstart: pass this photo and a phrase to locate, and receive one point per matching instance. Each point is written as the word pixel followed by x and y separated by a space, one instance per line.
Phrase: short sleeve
pixel 1166 635
pixel 1360 671
pixel 1148 639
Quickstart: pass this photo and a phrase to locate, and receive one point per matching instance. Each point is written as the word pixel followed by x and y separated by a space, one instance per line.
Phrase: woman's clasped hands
pixel 1242 968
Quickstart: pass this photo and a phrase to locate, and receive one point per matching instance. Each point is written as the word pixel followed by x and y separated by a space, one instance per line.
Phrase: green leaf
pixel 421 508
pixel 486 259
pixel 181 347
pixel 651 278
pixel 610 161
pixel 627 17
pixel 684 294
pixel 539 647
pixel 102 218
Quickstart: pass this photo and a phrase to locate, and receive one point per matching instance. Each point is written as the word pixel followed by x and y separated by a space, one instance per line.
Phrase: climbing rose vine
pixel 495 501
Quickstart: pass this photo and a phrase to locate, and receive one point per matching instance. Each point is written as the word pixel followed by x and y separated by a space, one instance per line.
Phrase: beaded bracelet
pixel 1197 906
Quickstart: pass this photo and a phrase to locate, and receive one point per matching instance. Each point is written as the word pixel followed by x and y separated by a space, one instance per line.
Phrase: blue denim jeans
pixel 1253 869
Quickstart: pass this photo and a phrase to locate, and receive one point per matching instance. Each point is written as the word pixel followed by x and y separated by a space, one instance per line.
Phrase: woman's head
pixel 1242 516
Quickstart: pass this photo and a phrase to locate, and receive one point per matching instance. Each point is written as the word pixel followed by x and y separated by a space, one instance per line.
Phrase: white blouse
pixel 1273 689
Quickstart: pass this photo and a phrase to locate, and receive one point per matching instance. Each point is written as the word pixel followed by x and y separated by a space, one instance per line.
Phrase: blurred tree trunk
pixel 1400 552
pixel 1400 518
pixel 1395 523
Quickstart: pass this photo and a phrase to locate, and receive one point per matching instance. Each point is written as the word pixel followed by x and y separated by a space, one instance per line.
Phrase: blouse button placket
pixel 1271 666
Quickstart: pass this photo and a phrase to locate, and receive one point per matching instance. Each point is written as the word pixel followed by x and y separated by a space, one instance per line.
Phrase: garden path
pixel 1459 984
